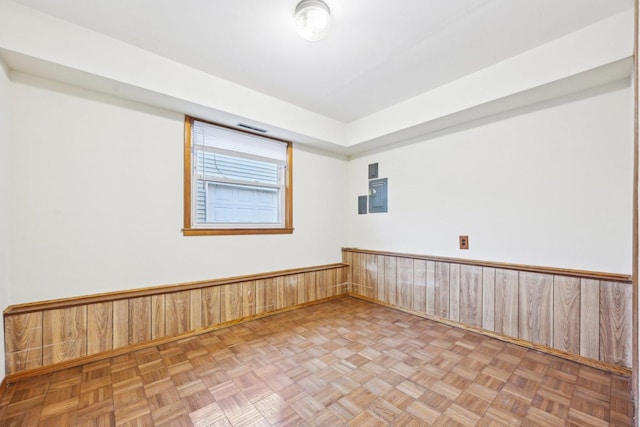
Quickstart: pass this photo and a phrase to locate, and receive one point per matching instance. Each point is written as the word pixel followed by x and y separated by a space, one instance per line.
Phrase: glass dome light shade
pixel 313 19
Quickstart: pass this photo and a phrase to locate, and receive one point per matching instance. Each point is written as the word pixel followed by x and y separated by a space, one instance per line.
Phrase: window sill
pixel 234 231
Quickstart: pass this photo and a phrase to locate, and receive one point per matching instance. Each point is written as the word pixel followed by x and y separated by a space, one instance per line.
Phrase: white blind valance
pixel 238 143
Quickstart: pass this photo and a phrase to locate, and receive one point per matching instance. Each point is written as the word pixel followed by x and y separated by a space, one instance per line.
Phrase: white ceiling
pixel 378 53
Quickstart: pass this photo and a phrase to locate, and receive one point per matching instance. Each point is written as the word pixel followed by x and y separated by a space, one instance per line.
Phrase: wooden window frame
pixel 190 230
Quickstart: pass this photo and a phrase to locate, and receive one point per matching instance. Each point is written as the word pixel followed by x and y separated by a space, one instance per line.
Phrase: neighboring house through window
pixel 236 182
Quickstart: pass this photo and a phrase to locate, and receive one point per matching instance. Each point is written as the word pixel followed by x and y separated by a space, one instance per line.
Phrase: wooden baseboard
pixel 3 386
pixel 580 315
pixel 608 367
pixel 41 334
pixel 12 378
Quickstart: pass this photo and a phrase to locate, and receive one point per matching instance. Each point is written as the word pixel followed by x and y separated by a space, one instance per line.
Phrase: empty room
pixel 319 213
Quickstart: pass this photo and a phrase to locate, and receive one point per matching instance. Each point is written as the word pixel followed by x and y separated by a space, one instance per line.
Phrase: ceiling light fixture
pixel 313 19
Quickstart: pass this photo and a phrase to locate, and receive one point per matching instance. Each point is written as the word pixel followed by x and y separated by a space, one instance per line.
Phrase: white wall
pixel 97 201
pixel 635 379
pixel 549 185
pixel 5 290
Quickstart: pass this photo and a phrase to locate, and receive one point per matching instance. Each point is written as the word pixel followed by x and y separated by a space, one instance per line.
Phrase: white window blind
pixel 239 143
pixel 238 178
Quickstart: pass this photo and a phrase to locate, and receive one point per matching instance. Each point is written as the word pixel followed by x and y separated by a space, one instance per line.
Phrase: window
pixel 236 182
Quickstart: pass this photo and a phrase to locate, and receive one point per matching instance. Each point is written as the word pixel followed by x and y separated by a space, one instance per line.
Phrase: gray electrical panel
pixel 378 195
pixel 362 205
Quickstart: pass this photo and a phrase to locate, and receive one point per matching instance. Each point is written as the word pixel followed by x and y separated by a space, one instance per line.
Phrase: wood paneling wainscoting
pixel 67 331
pixel 579 315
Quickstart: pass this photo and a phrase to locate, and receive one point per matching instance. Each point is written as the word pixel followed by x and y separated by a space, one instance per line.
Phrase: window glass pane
pixel 200 211
pixel 241 204
pixel 215 165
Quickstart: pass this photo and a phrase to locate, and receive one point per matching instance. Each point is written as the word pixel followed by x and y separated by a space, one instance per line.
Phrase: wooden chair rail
pixel 155 290
pixel 612 277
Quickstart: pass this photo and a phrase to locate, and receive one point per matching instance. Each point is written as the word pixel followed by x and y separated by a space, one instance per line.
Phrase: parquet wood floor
pixel 341 363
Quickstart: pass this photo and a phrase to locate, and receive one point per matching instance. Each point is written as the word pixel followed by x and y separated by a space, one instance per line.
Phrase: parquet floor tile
pixel 341 363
